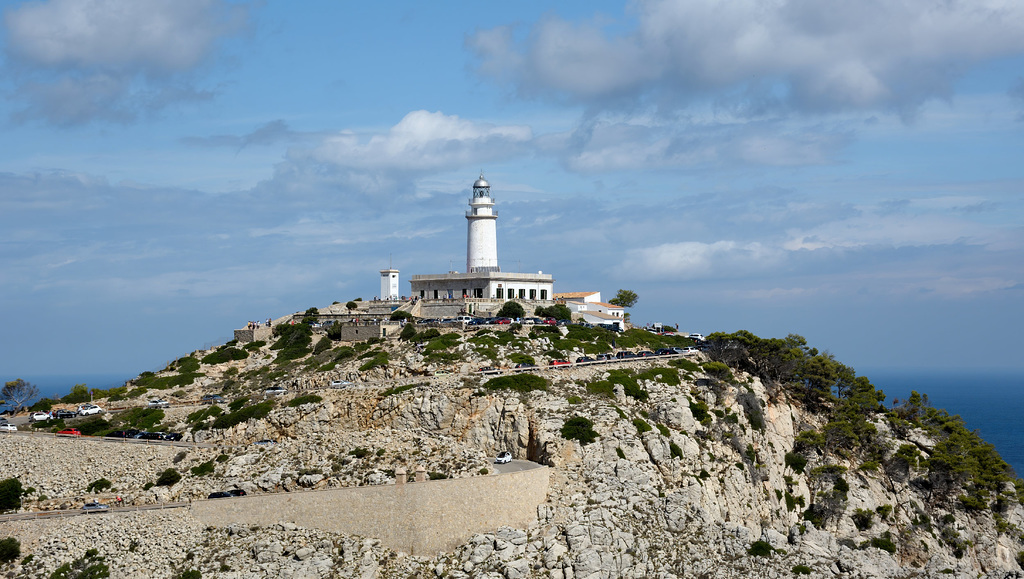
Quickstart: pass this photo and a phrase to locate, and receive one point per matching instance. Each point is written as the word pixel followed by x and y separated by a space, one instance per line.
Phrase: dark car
pixel 645 354
pixel 624 355
pixel 236 492
pixel 211 399
pixel 172 436
pixel 489 370
pixel 582 359
pixel 605 357
pixel 64 414
pixel 149 436
pixel 130 433
pixel 219 495
pixel 525 365
pixel 664 352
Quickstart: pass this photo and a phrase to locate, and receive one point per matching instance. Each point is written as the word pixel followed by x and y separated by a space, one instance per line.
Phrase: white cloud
pixel 690 260
pixel 74 61
pixel 805 54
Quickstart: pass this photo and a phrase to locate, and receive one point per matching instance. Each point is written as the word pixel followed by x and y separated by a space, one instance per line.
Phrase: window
pixel 522 293
pixel 533 294
pixel 423 293
pixel 435 294
pixel 543 294
pixel 499 293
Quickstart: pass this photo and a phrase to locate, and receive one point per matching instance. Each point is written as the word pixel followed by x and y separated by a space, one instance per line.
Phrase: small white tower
pixel 482 240
pixel 389 284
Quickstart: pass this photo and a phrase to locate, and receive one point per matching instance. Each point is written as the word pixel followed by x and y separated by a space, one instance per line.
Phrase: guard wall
pixel 422 518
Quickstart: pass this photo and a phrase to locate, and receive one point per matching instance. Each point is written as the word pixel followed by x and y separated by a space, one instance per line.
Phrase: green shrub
pixel 699 410
pixel 641 425
pixel 760 549
pixel 397 390
pixel 141 418
pixel 663 430
pixel 717 370
pixel 602 387
pixel 379 359
pixel 203 469
pixel 190 574
pixel 684 364
pixel 675 450
pixel 884 543
pixel 242 414
pixel 293 341
pixel 619 453
pixel 884 511
pixel 10 549
pixel 10 494
pixel 186 365
pixel 224 355
pixel 238 403
pixel 801 570
pixel 307 399
pixel 511 310
pixel 574 400
pixel 359 452
pixel 519 358
pixel 863 519
pixel 98 486
pixel 796 461
pixel 253 346
pixel 579 428
pixel 517 382
pixel 42 405
pixel 93 426
pixel 432 475
pixel 168 477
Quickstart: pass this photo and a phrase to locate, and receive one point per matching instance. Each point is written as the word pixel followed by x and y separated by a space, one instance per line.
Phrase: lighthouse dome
pixel 481 182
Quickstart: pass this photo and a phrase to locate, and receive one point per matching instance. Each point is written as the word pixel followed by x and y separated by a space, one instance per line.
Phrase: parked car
pixel 159 403
pixel 605 357
pixel 274 390
pixel 219 495
pixel 71 432
pixel 174 436
pixel 130 433
pixel 582 359
pixel 265 442
pixel 149 436
pixel 645 354
pixel 489 370
pixel 501 321
pixel 696 336
pixel 95 507
pixel 64 414
pixel 442 372
pixel 38 416
pixel 689 351
pixel 89 409
pixel 8 427
pixel 624 355
pixel 503 458
pixel 665 352
pixel 522 365
pixel 340 383
pixel 559 363
pixel 236 492
pixel 211 398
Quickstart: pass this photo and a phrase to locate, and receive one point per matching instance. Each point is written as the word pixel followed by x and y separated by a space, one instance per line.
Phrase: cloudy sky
pixel 852 172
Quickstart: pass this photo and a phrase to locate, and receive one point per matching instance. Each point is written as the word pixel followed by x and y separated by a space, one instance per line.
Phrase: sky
pixel 850 172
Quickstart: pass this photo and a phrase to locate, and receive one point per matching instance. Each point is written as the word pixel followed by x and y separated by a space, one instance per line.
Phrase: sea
pixel 990 402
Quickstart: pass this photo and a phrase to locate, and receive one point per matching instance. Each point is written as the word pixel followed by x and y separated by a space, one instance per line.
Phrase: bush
pixel 242 414
pixel 517 382
pixel 191 574
pixel 863 519
pixel 397 390
pixel 574 400
pixel 169 477
pixel 884 543
pixel 518 358
pixel 186 365
pixel 795 461
pixel 10 549
pixel 10 494
pixel 760 549
pixel 675 450
pixel 98 486
pixel 511 310
pixel 293 341
pixel 408 332
pixel 663 430
pixel 79 394
pixel 307 399
pixel 203 469
pixel 378 359
pixel 801 570
pixel 699 410
pixel 224 355
pixel 253 346
pixel 641 425
pixel 579 428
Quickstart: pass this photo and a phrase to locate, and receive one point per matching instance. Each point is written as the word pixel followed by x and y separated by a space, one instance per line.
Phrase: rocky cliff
pixel 699 468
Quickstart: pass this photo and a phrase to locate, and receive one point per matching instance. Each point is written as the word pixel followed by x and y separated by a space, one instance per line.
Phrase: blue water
pixel 990 402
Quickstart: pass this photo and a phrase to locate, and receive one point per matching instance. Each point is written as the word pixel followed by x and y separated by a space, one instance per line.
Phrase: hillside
pixel 757 457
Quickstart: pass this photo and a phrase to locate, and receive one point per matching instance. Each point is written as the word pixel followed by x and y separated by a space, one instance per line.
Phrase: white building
pixel 597 312
pixel 389 284
pixel 483 277
pixel 588 297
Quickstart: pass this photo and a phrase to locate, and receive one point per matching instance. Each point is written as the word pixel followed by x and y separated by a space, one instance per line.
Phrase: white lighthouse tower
pixel 482 239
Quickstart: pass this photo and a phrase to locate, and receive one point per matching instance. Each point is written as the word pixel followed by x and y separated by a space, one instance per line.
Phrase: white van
pixel 463 319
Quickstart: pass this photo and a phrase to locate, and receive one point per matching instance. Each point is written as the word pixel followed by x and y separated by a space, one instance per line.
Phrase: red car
pixel 71 432
pixel 551 321
pixel 559 363
pixel 500 321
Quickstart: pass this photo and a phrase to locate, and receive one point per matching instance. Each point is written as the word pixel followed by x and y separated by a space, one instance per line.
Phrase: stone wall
pixel 260 333
pixel 421 518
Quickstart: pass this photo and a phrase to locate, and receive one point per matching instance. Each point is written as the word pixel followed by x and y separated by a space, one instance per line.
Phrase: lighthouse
pixel 482 238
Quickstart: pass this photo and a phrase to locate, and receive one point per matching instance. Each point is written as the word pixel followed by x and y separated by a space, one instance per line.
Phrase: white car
pixel 690 351
pixel 159 403
pixel 95 507
pixel 8 427
pixel 340 383
pixel 503 458
pixel 274 391
pixel 38 417
pixel 89 409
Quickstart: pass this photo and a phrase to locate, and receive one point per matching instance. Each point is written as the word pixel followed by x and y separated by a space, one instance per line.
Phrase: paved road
pixel 516 465
pixel 60 514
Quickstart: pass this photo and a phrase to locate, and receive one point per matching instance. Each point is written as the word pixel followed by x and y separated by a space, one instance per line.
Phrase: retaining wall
pixel 421 518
